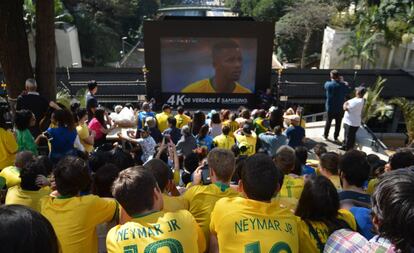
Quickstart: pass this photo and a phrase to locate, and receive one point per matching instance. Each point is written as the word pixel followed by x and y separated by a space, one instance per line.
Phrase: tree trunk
pixel 305 49
pixel 14 49
pixel 46 48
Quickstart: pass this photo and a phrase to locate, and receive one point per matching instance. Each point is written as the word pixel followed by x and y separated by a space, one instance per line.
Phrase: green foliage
pixel 269 10
pixel 63 97
pixel 407 108
pixel 374 106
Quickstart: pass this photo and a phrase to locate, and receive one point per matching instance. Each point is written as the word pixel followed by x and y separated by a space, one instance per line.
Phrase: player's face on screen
pixel 229 63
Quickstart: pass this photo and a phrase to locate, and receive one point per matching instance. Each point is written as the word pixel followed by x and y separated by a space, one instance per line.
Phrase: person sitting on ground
pixel 232 123
pixel 162 118
pixel 301 158
pixel 328 167
pixel 215 125
pixel 172 130
pixel 155 133
pixel 224 140
pixel 144 114
pixel 75 217
pixel 246 140
pixel 392 212
pixel 28 193
pixel 99 125
pixel 8 144
pixel 64 139
pixel 354 172
pixel 202 198
pixel 285 160
pixel 10 176
pixel 204 140
pixel 182 119
pixel 272 141
pixel 23 230
pixel 318 209
pixel 187 143
pixel 295 133
pixel 254 223
pixel 164 177
pixel 25 119
pixel 261 123
pixel 137 191
pixel 86 137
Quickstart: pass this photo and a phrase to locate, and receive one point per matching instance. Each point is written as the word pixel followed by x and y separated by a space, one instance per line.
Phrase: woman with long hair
pixel 318 208
pixel 99 125
pixel 63 138
pixel 215 125
pixel 86 137
pixel 23 121
pixel 199 120
pixel 204 140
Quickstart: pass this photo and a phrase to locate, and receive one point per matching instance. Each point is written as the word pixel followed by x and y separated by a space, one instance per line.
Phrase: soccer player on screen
pixel 227 63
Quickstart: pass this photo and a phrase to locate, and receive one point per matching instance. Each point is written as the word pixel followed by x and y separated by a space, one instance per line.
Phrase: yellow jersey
pixel 233 126
pixel 204 86
pixel 371 185
pixel 201 200
pixel 224 141
pixel 75 219
pixel 248 141
pixel 16 195
pixel 182 120
pixel 11 175
pixel 289 203
pixel 308 243
pixel 336 181
pixel 162 121
pixel 83 132
pixel 8 148
pixel 246 225
pixel 157 232
pixel 172 203
pixel 292 186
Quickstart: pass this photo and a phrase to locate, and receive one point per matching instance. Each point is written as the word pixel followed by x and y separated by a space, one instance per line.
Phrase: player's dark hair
pixel 172 121
pixel 134 190
pixel 355 168
pixel 224 44
pixel 320 202
pixel 160 171
pixel 29 173
pixel 260 177
pixel 23 230
pixel 165 106
pixel 180 110
pixel 100 116
pixel 103 179
pixel 401 159
pixel 71 176
pixel 285 159
pixel 329 161
pixel 393 205
pixel 215 118
pixel 22 119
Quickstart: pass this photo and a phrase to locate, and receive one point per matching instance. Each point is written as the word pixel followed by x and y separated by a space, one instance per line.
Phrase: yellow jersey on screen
pixel 205 86
pixel 157 232
pixel 245 225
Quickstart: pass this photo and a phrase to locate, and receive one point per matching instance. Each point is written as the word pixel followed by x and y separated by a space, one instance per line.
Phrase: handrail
pixel 313 117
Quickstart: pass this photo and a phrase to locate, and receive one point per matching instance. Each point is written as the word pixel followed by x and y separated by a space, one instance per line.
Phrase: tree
pixel 14 50
pixel 301 22
pixel 407 109
pixel 46 48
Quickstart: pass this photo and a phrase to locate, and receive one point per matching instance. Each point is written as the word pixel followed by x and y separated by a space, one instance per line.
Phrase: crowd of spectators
pixel 181 181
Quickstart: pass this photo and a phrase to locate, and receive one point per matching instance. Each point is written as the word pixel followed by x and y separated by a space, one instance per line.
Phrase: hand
pixel 131 134
pixel 93 133
pixel 197 175
pixel 42 181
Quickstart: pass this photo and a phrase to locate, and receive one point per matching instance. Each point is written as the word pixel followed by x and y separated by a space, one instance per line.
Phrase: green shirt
pixel 25 141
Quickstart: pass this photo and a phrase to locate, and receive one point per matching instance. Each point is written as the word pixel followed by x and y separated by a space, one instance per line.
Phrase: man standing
pixel 162 118
pixel 352 118
pixel 146 112
pixel 91 101
pixel 336 92
pixel 32 101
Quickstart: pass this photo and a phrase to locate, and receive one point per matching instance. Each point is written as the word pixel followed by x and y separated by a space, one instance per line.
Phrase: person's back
pixel 182 119
pixel 295 134
pixel 246 138
pixel 8 147
pixel 202 198
pixel 10 176
pixel 162 118
pixel 224 140
pixel 336 92
pixel 254 224
pixel 150 230
pixel 75 217
pixel 271 142
pixel 37 104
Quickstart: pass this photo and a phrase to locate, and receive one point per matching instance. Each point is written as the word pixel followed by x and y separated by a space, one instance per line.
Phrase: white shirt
pixel 352 116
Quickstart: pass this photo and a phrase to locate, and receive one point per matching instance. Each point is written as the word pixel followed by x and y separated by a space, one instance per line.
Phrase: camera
pixel 205 175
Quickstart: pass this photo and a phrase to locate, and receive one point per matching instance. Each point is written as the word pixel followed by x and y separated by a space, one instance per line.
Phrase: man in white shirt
pixel 352 118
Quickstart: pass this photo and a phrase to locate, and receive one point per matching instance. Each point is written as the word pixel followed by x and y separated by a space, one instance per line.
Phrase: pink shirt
pixel 94 125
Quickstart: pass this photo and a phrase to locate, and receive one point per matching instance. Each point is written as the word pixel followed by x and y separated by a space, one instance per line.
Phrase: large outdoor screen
pixel 208 64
